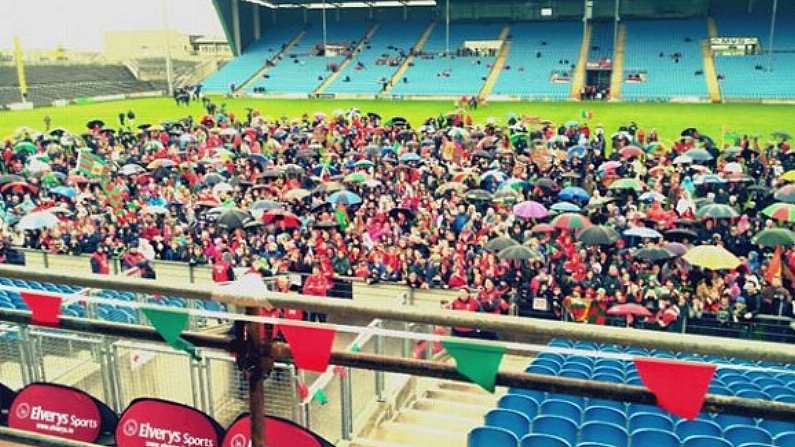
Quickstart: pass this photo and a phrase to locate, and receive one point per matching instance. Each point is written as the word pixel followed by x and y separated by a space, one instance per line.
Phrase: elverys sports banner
pixel 56 410
pixel 161 423
pixel 278 433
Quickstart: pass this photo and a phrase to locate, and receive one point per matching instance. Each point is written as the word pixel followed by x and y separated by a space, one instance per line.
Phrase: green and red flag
pixel 91 165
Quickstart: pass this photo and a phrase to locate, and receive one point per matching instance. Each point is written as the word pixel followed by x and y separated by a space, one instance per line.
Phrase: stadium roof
pixel 315 4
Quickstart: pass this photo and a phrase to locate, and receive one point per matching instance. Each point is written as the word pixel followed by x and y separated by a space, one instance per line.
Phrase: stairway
pixel 578 79
pixel 407 63
pixel 499 62
pixel 710 73
pixel 712 27
pixel 335 74
pixel 617 77
pixel 275 59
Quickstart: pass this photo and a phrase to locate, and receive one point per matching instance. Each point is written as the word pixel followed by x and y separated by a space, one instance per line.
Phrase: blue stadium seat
pixel 576 400
pixel 653 437
pixel 705 441
pixel 541 369
pixel 549 363
pixel 727 420
pixel 785 439
pixel 491 437
pixel 650 420
pixel 753 394
pixel 605 414
pixel 523 404
pixel 574 374
pixel 620 406
pixel 543 440
pixel 697 427
pixel 605 433
pixel 557 426
pixel 776 428
pixel 643 408
pixel 743 434
pixel 561 408
pixel 536 395
pixel 511 420
pixel 607 377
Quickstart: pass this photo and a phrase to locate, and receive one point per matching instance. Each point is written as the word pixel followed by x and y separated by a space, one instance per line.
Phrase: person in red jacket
pixel 464 302
pixel 316 284
pixel 99 262
pixel 222 269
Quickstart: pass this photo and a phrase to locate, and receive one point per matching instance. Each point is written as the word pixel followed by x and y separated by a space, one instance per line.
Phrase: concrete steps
pixel 407 63
pixel 617 77
pixel 264 69
pixel 578 79
pixel 334 75
pixel 499 63
pixel 710 72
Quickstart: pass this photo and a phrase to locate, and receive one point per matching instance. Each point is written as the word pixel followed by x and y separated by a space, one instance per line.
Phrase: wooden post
pixel 260 337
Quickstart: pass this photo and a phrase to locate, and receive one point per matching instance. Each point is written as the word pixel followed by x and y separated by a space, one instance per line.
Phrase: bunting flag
pixel 170 326
pixel 341 371
pixel 320 397
pixel 45 309
pixel 773 272
pixel 311 346
pixel 356 348
pixel 303 390
pixel 680 387
pixel 478 363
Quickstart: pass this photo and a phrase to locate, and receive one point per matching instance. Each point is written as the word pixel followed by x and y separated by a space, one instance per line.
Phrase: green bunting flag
pixel 170 325
pixel 356 348
pixel 478 363
pixel 320 397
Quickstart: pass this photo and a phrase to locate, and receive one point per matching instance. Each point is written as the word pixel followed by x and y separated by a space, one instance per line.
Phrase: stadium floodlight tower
pixel 772 36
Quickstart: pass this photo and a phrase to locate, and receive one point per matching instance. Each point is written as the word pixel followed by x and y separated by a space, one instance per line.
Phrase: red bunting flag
pixel 680 387
pixel 311 346
pixel 303 390
pixel 46 309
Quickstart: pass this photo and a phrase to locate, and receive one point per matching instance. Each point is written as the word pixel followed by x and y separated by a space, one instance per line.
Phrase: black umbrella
pixel 598 235
pixel 653 254
pixel 93 124
pixel 213 179
pixel 518 252
pixel 233 218
pixel 547 184
pixel 482 154
pixel 500 243
pixel 677 234
pixel 407 213
pixel 326 224
pixel 271 174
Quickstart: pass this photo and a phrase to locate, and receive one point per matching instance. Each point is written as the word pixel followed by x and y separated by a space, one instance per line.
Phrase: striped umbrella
pixel 782 212
pixel 785 194
pixel 571 221
pixel 716 211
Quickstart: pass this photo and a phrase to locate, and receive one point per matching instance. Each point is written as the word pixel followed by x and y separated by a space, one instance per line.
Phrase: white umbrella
pixel 37 220
pixel 222 187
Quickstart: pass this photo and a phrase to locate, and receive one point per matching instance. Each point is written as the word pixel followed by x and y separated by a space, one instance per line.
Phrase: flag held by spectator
pixel 680 387
pixel 311 346
pixel 170 326
pixel 773 273
pixel 478 363
pixel 45 309
pixel 91 165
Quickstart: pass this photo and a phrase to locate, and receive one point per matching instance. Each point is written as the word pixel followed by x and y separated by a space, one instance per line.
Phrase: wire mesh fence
pixel 13 369
pixel 68 358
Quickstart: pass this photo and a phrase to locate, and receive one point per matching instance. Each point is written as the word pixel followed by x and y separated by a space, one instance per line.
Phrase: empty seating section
pixel 602 34
pixel 380 58
pixel 650 48
pixel 301 70
pixel 527 418
pixel 538 49
pixel 241 68
pixel 748 76
pixel 434 74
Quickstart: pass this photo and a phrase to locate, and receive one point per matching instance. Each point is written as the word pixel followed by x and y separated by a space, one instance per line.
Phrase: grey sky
pixel 80 24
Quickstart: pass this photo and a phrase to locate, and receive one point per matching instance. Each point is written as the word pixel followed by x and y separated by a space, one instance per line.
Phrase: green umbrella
pixel 25 146
pixel 519 137
pixel 782 212
pixel 364 164
pixel 500 243
pixel 356 177
pixel 781 135
pixel 627 183
pixel 514 184
pixel 518 252
pixel 774 237
pixel 716 211
pixel 598 235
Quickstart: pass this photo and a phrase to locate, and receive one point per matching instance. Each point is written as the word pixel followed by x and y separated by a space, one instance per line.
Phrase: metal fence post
pixel 26 361
pixel 113 360
pixel 379 375
pixel 346 405
pixel 195 384
pixel 106 370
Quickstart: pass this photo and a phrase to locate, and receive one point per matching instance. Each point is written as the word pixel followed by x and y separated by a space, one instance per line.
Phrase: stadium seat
pixel 649 420
pixel 643 408
pixel 542 369
pixel 653 437
pixel 543 440
pixel 743 434
pixel 579 401
pixel 728 420
pixel 491 437
pixel 605 414
pixel 574 374
pixel 776 428
pixel 605 433
pixel 511 420
pixel 523 404
pixel 557 426
pixel 561 408
pixel 785 439
pixel 538 396
pixel 705 441
pixel 684 428
pixel 620 406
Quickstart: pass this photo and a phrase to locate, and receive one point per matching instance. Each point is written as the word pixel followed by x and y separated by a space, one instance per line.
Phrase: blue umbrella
pixel 576 151
pixel 494 175
pixel 344 197
pixel 574 193
pixel 709 178
pixel 565 207
pixel 66 191
pixel 318 170
pixel 409 157
pixel 258 159
pixel 651 196
pixel 643 232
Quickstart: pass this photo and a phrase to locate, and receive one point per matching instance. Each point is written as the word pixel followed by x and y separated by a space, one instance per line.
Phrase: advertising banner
pixel 278 433
pixel 56 410
pixel 161 423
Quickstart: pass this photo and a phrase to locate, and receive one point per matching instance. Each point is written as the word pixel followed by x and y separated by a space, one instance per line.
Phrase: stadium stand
pixel 601 41
pixel 379 59
pixel 534 418
pixel 241 68
pixel 748 77
pixel 537 50
pixel 434 74
pixel 302 70
pixel 651 52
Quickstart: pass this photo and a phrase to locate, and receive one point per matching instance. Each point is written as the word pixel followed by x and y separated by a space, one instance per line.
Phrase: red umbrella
pixel 287 218
pixel 19 187
pixel 543 228
pixel 633 309
pixel 630 152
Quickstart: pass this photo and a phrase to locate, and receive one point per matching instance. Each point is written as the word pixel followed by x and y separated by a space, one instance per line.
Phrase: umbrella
pixel 716 211
pixel 326 224
pixel 293 169
pixel 598 235
pixel 518 252
pixel 155 209
pixel 494 175
pixel 297 194
pixel 549 184
pixel 572 123
pixel 131 169
pixel 542 228
pixel 233 218
pixel 465 175
pixel 271 174
pixel 409 157
pixel 682 160
pixel 260 206
pixel 574 193
pixel 364 164
pixel 631 152
pixel 344 197
pixel 64 191
pixel 609 166
pixel 732 168
pixel 500 243
pixel 651 147
pixel 711 257
pixel 451 186
pixel 37 220
pixel 651 196
pixel 643 232
pixel 11 178
pixel 160 163
pixel 653 254
pixel 478 195
pixel 356 177
pixel 731 152
pixel 576 151
pixel 259 159
pixel 571 221
pixel 774 237
pixel 626 183
pixel 407 213
pixel 681 233
pixel 702 179
pixel 287 218
pixel 222 188
pixel 25 147
pixel 213 179
pixel 781 135
pixel 18 187
pixel 482 154
pixel 372 183
pixel 514 183
pixel 629 309
pixel 788 176
pixel 330 187
pixel 785 194
pixel 782 212
pixel 565 207
pixel 530 210
pixel 506 196
pixel 678 249
pixel 699 154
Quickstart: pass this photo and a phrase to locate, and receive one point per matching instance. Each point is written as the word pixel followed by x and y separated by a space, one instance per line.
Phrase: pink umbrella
pixel 676 248
pixel 628 309
pixel 530 210
pixel 610 165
